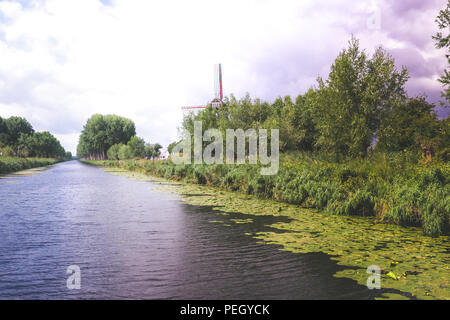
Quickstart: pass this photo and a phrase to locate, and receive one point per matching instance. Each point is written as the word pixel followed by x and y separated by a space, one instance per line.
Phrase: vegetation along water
pixel 21 147
pixel 364 172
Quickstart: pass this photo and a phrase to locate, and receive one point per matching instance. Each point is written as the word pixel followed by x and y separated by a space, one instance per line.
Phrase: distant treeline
pixel 362 105
pixel 18 139
pixel 113 137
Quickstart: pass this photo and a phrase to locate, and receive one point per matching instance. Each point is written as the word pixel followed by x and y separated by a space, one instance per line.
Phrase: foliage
pixel 125 152
pixel 137 147
pixel 9 164
pixel 443 41
pixel 152 151
pixel 18 138
pixel 7 151
pixel 113 137
pixel 412 125
pixel 113 151
pixel 171 146
pixel 101 132
pixel 15 127
pixel 40 144
pixel 357 95
pixel 363 99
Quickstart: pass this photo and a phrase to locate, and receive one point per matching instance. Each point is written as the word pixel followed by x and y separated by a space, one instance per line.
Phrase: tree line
pixel 113 137
pixel 19 139
pixel 362 105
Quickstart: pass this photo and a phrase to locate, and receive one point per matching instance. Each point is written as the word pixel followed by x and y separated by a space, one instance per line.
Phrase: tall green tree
pixel 15 127
pixel 101 132
pixel 351 102
pixel 442 39
pixel 40 144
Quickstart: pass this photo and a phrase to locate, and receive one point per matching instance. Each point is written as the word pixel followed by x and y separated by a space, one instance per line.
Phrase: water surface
pixel 134 242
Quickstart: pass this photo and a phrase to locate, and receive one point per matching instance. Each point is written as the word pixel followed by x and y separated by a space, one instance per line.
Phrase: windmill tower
pixel 218 91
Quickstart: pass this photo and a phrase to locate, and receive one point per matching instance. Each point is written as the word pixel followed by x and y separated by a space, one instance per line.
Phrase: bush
pixel 8 164
pixel 7 151
pixel 124 152
pixel 113 151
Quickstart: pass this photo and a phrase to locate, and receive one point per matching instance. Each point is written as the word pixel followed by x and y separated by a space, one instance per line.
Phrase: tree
pixel 25 146
pixel 304 121
pixel 125 152
pixel 101 132
pixel 443 143
pixel 137 147
pixel 113 151
pixel 341 117
pixel 171 146
pixel 412 125
pixel 156 150
pixel 40 144
pixel 152 150
pixel 4 137
pixel 148 153
pixel 44 144
pixel 15 127
pixel 443 41
pixel 294 120
pixel 351 103
pixel 18 135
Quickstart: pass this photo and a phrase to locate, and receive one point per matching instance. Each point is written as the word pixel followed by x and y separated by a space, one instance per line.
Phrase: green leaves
pixel 103 131
pixel 358 93
pixel 391 275
pixel 412 125
pixel 137 147
pixel 19 139
pixel 443 41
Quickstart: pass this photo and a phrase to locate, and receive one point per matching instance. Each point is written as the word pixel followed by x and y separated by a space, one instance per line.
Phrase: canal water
pixel 132 242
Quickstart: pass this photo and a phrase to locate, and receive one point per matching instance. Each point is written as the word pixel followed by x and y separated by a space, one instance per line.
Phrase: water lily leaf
pixel 391 275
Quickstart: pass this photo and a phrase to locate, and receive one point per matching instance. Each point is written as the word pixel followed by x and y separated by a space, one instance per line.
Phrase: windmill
pixel 218 92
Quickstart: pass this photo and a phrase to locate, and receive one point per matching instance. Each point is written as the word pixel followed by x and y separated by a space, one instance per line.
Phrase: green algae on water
pixel 421 264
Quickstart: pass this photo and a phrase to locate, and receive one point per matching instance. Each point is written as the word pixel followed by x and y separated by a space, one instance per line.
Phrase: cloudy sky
pixel 63 60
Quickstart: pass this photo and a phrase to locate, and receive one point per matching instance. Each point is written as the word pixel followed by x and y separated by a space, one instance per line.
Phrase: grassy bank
pixel 10 164
pixel 394 189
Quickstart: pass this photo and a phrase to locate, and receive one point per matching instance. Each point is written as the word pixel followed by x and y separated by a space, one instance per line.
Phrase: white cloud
pixel 62 61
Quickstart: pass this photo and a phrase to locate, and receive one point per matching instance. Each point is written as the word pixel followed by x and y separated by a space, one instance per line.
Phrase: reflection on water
pixel 134 242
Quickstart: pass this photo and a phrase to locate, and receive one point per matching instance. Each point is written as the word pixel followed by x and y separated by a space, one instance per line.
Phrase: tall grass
pixel 393 188
pixel 10 164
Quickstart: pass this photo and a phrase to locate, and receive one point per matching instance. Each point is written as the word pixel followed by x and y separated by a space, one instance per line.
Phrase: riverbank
pixel 10 164
pixel 393 189
pixel 411 265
